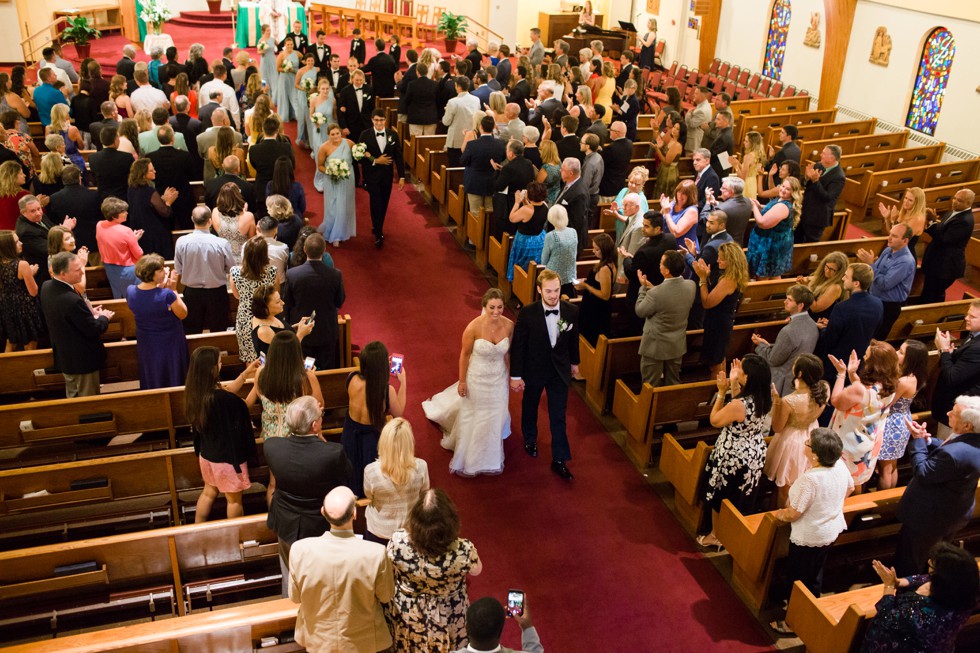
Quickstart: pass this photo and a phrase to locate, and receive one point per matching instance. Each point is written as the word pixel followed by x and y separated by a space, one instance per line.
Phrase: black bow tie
pixel 379 133
pixel 552 312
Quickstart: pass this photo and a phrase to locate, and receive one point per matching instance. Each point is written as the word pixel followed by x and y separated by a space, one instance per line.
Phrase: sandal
pixel 781 627
pixel 704 544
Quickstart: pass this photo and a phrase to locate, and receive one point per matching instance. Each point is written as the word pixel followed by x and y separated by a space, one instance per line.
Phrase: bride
pixel 473 413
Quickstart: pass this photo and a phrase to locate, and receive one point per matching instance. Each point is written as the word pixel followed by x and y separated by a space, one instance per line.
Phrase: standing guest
pixel 340 611
pixel 735 464
pixel 11 101
pixel 535 51
pixel 715 235
pixel 146 97
pixel 431 563
pixel 32 230
pixel 71 135
pixel 629 109
pixel 210 104
pixel 794 417
pixel 530 214
pixel 12 180
pixel 929 611
pixel 403 80
pixel 230 173
pixel 749 168
pixel 664 308
pixel 371 398
pixel 721 103
pixel 697 119
pixel 458 117
pixel 16 142
pixel 616 160
pixel 111 166
pixel 944 260
pixel 648 46
pixel 196 65
pixel 48 179
pixel 859 416
pixel 789 150
pixel 225 144
pixel 202 262
pixel 478 174
pixel 182 87
pixel 560 249
pixel 209 138
pixel 385 149
pixel 223 438
pixel 510 179
pixel 187 128
pixel 289 224
pixel 959 368
pixel 770 250
pixel 574 198
pixel 940 498
pixel 394 482
pixel 267 305
pixel 118 246
pixel 549 170
pixel 283 183
pixel 894 272
pixel 382 68
pixel 735 205
pixel 263 156
pixel 79 202
pixel 913 359
pixel 421 103
pixel 278 252
pixel 824 184
pixel 635 182
pixel 126 65
pixel 74 327
pixel 316 288
pixel 161 347
pixel 681 214
pixel 647 260
pixel 827 284
pixel 254 272
pixel 20 312
pixel 593 169
pixel 816 512
pixel 798 337
pixel 306 467
pixel 852 323
pixel 63 240
pixel 720 301
pixel 151 211
pixel 544 356
pixel 911 212
pixel 705 177
pixel 724 144
pixel 174 168
pixel 596 310
pixel 110 118
pixel 119 97
pixel 46 96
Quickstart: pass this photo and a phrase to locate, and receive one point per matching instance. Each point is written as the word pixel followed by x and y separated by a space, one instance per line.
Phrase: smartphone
pixel 308 362
pixel 312 318
pixel 396 363
pixel 261 358
pixel 515 603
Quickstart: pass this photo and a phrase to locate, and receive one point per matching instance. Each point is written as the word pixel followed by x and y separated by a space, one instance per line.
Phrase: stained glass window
pixel 776 43
pixel 930 82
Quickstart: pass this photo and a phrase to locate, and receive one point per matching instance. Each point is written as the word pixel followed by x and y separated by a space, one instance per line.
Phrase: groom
pixel 543 357
pixel 384 148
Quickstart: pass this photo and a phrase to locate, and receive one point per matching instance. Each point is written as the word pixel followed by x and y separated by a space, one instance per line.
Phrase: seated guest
pixel 118 246
pixel 284 183
pixel 20 311
pixel 664 307
pixel 799 336
pixel 160 343
pixel 202 262
pixel 485 623
pixel 530 213
pixel 924 612
pixel 223 437
pixel 394 482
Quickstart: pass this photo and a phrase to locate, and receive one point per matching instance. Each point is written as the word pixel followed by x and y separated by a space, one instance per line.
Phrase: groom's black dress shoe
pixel 559 468
pixel 532 450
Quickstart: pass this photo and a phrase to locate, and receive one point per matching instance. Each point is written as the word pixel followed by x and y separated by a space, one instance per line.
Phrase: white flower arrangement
pixel 155 11
pixel 337 169
pixel 262 46
pixel 307 85
pixel 359 151
pixel 287 66
pixel 318 119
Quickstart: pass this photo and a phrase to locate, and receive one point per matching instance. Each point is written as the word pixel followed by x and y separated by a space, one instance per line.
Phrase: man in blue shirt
pixel 894 272
pixel 46 95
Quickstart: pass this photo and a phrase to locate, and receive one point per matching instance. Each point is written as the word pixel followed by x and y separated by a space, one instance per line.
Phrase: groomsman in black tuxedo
pixel 300 42
pixel 321 53
pixel 358 50
pixel 355 103
pixel 544 356
pixel 384 149
pixel 339 77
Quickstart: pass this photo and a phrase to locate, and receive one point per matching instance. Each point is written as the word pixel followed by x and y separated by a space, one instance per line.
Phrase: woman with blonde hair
pixel 749 167
pixel 117 93
pixel 144 120
pixel 48 179
pixel 182 87
pixel 61 125
pixel 394 482
pixel 255 118
pixel 827 284
pixel 224 146
pixel 606 87
pixel 912 212
pixel 473 133
pixel 720 301
pixel 12 180
pixel 770 250
pixel 550 172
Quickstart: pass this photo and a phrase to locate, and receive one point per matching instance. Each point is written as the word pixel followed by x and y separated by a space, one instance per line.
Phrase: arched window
pixel 776 43
pixel 930 82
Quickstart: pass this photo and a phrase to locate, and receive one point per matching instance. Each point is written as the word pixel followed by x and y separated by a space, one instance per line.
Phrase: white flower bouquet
pixel 337 169
pixel 155 11
pixel 287 66
pixel 318 119
pixel 262 46
pixel 359 151
pixel 308 85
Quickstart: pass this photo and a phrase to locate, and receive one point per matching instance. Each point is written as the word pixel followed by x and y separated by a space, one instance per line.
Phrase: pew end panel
pixel 830 627
pixel 751 540
pixel 683 468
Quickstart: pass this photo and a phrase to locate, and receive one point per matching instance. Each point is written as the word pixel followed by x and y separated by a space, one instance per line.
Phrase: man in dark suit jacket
pixel 358 49
pixel 788 150
pixel 546 107
pixel 574 196
pixel 520 93
pixel 724 142
pixel 174 170
pixel 213 104
pixel 569 144
pixel 477 161
pixel 447 89
pixel 421 102
pixel 75 328
pixel 474 56
pixel 76 201
pixel 230 173
pixel 109 112
pixel 321 53
pixel 625 68
pixel 306 467
pixel 409 76
pixel 544 356
pixel 300 42
pixel 824 184
pixel 385 149
pixel 715 235
pixel 32 229
pixel 705 177
pixel 616 161
pixel 944 260
pixel 509 179
pixel 110 167
pixel 645 260
pixel 504 67
pixel 263 156
pixel 126 66
pixel 339 77
pixel 959 368
pixel 182 123
pixel 311 287
pixel 939 500
pixel 852 323
pixel 355 103
pixel 382 69
pixel 734 204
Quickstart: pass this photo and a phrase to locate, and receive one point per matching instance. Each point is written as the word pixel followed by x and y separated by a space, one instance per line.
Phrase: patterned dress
pixel 861 429
pixel 428 611
pixel 770 251
pixel 909 621
pixel 735 464
pixel 20 314
pixel 274 419
pixel 229 231
pixel 243 319
pixel 896 436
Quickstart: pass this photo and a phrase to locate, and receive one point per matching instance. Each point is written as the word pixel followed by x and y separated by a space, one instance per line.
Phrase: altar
pixel 249 27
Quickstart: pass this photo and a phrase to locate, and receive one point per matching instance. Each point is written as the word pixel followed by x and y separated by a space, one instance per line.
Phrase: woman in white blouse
pixel 816 512
pixel 394 482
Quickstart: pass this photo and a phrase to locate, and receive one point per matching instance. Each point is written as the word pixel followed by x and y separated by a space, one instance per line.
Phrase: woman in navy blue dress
pixel 160 344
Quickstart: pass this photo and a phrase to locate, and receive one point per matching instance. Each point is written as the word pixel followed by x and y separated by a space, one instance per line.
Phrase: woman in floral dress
pixel 913 357
pixel 430 562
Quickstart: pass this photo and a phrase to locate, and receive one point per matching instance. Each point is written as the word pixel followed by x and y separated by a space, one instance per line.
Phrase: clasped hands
pixel 517 385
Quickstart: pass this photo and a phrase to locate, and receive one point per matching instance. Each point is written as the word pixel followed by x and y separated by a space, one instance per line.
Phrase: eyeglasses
pixel 832 268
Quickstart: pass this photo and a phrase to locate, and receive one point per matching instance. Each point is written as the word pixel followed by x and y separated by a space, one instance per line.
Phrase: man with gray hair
pixel 32 228
pixel 304 468
pixel 823 184
pixel 209 137
pixel 202 262
pixel 474 56
pixel 514 126
pixel 126 65
pixel 231 169
pixel 188 128
pixel 340 582
pixel 939 500
pixel 530 136
pixel 544 107
pixel 574 197
pixel 733 203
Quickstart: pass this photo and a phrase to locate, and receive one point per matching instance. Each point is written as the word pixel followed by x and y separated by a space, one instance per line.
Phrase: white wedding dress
pixel 475 426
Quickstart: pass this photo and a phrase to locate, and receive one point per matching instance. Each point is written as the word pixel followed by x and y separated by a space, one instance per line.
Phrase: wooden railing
pixel 29 51
pixel 482 33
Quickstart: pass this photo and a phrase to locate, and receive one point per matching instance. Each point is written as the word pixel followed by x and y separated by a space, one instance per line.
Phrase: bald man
pixel 616 162
pixel 514 127
pixel 944 260
pixel 340 582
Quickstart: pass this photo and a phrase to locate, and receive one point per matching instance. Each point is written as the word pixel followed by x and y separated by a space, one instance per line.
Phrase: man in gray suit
pixel 536 52
pixel 798 337
pixel 665 308
pixel 458 118
pixel 733 202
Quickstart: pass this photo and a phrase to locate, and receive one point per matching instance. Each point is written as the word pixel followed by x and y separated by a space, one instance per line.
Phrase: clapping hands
pixel 701 269
pixel 170 195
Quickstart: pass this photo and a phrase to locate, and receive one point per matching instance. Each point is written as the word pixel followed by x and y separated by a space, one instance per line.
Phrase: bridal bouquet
pixel 359 151
pixel 287 66
pixel 308 85
pixel 318 119
pixel 337 169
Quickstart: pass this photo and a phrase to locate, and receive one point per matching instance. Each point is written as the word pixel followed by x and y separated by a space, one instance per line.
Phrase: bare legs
pixel 887 474
pixel 206 500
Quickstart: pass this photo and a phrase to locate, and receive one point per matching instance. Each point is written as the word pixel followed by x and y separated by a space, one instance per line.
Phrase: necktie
pixel 553 312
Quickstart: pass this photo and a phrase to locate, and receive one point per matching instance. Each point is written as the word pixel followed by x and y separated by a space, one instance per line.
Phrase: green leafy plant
pixel 454 26
pixel 79 31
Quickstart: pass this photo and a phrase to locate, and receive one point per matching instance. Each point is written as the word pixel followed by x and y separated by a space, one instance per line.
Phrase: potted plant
pixel 453 27
pixel 79 32
pixel 214 6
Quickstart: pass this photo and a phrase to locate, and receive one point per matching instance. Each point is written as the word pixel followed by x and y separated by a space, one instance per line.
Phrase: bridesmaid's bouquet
pixel 318 119
pixel 262 46
pixel 337 169
pixel 287 66
pixel 308 85
pixel 359 151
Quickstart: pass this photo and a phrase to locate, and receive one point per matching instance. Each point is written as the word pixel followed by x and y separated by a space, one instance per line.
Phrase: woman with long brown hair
pixel 150 211
pixel 913 358
pixel 230 219
pixel 117 93
pixel 596 311
pixel 20 311
pixel 224 146
pixel 827 284
pixel 720 300
pixel 182 86
pixel 254 272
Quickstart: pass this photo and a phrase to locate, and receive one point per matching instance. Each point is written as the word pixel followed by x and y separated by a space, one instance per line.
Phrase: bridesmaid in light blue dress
pixel 339 217
pixel 301 101
pixel 282 92
pixel 323 103
pixel 267 60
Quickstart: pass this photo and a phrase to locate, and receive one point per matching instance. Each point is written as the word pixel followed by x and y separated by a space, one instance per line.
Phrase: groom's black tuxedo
pixel 378 178
pixel 543 367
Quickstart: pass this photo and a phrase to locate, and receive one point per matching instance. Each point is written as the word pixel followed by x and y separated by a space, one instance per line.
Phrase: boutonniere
pixel 564 326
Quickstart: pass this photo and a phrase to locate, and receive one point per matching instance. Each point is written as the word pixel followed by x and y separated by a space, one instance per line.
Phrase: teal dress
pixel 283 91
pixel 339 215
pixel 770 251
pixel 301 106
pixel 318 133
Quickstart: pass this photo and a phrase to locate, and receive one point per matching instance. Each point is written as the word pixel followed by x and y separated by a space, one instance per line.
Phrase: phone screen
pixel 312 317
pixel 515 603
pixel 308 362
pixel 261 358
pixel 396 363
